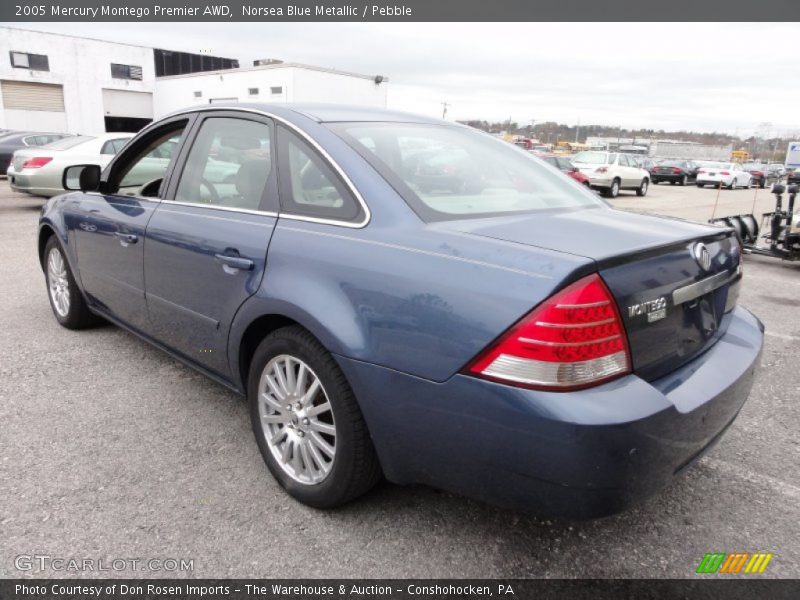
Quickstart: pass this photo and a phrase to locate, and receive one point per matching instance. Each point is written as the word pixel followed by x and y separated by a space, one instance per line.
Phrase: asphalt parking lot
pixel 111 449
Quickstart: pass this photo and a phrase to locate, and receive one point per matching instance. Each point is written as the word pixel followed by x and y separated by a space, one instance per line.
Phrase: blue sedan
pixel 407 298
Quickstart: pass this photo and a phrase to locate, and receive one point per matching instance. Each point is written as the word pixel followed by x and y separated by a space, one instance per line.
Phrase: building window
pixel 276 90
pixel 252 91
pixel 126 72
pixel 34 62
pixel 198 94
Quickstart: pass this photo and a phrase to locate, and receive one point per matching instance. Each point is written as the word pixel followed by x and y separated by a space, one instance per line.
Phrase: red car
pixel 563 163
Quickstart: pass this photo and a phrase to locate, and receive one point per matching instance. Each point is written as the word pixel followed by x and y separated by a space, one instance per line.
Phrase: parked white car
pixel 38 171
pixel 611 172
pixel 730 175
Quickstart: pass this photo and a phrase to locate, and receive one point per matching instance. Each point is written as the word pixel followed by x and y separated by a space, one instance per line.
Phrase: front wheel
pixel 66 300
pixel 642 189
pixel 732 186
pixel 307 422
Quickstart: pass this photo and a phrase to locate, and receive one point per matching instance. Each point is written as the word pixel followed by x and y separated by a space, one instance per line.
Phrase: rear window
pixel 69 142
pixel 446 172
pixel 591 158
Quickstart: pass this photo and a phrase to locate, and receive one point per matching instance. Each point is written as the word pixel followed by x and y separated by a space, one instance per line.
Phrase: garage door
pixel 122 103
pixel 25 95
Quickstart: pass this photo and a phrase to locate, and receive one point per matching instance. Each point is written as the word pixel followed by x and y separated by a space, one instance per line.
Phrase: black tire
pixel 683 180
pixel 655 181
pixel 642 189
pixel 732 186
pixel 700 185
pixel 672 182
pixel 762 184
pixel 77 314
pixel 613 191
pixel 355 468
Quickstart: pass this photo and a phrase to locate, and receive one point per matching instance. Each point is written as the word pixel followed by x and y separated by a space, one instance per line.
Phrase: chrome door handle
pixel 235 262
pixel 126 238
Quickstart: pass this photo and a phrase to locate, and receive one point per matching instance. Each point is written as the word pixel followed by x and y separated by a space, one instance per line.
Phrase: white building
pixel 51 82
pixel 272 82
pixel 55 82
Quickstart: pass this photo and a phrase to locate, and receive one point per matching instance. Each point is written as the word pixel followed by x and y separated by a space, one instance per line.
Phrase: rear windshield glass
pixel 447 172
pixel 68 142
pixel 591 158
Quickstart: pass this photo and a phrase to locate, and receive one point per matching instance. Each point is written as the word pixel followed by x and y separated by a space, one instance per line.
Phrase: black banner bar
pixel 400 10
pixel 733 588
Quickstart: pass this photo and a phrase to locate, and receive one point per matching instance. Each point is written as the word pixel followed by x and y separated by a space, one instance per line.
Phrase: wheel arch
pixel 251 337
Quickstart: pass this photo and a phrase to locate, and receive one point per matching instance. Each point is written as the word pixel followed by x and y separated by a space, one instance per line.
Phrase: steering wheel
pixel 211 190
pixel 150 189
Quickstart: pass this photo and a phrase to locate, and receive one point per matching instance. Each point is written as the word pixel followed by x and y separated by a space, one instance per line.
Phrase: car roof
pixel 323 113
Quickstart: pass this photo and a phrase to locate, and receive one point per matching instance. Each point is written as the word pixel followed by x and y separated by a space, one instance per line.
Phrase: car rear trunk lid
pixel 673 303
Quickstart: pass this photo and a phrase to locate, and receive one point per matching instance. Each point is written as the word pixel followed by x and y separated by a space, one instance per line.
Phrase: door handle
pixel 126 238
pixel 235 262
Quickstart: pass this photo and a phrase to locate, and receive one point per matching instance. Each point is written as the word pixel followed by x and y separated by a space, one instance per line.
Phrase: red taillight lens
pixel 676 170
pixel 724 172
pixel 35 163
pixel 573 339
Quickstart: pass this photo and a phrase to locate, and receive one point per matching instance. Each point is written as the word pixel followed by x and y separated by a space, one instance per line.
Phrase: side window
pixel 623 161
pixel 612 159
pixel 113 146
pixel 308 185
pixel 141 170
pixel 228 165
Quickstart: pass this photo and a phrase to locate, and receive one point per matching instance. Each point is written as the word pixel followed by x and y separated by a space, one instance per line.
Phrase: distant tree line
pixel 552 132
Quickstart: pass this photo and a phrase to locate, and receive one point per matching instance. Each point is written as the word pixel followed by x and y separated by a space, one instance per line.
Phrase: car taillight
pixel 574 339
pixel 35 163
pixel 601 169
pixel 676 170
pixel 724 172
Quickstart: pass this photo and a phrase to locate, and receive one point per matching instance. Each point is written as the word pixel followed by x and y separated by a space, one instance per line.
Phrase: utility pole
pixel 444 109
pixel 577 130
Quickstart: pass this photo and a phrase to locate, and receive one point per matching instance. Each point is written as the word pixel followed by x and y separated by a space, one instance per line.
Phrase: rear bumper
pixel 667 177
pixel 20 182
pixel 580 454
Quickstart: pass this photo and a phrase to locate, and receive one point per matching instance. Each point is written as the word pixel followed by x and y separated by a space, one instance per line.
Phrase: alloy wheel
pixel 58 282
pixel 297 419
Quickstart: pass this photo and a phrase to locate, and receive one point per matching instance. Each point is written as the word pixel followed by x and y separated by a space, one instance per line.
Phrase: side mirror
pixel 84 178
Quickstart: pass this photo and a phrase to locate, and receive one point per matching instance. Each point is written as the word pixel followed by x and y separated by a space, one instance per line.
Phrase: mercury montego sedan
pixel 508 337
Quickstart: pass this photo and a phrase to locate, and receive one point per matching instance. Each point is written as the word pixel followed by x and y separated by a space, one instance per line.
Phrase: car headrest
pixel 251 179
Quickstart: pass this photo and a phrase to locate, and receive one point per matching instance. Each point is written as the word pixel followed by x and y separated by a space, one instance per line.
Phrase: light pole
pixel 444 109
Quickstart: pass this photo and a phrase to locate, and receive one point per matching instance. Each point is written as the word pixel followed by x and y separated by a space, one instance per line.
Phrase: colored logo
pixel 737 562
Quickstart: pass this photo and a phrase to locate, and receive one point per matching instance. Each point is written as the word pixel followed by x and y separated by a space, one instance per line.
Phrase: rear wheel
pixel 66 300
pixel 683 180
pixel 762 184
pixel 307 422
pixel 613 191
pixel 701 185
pixel 642 189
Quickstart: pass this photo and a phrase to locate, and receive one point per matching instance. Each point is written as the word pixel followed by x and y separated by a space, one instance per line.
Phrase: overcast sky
pixel 707 77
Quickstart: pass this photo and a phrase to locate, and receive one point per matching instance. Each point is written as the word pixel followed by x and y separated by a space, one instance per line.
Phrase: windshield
pixel 591 158
pixel 445 172
pixel 68 142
